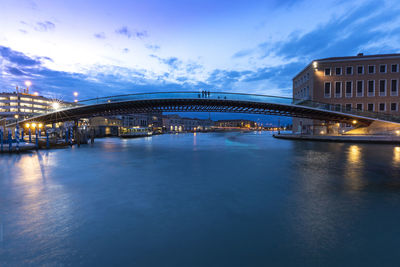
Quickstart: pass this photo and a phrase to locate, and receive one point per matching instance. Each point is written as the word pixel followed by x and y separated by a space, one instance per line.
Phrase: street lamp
pixel 55 105
pixel 28 84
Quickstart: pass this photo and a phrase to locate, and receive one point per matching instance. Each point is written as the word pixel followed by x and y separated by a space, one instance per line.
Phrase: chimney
pixel 360 54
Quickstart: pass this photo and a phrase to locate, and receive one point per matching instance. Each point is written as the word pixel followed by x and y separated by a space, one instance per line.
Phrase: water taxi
pixel 135 132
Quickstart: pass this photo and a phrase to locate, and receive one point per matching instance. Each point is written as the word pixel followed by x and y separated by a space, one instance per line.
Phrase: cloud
pixel 18 57
pixel 44 26
pixel 172 62
pixel 153 48
pixel 342 36
pixel 15 71
pixel 131 33
pixel 100 35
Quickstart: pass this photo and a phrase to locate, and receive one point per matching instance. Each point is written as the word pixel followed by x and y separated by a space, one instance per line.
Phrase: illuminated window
pixel 382 88
pixel 371 69
pixel 327 92
pixel 338 89
pixel 393 90
pixel 360 88
pixel 371 88
pixel 349 88
pixel 327 72
pixel 360 69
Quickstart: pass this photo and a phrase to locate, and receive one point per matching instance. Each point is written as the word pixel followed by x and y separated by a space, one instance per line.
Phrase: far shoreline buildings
pixel 362 82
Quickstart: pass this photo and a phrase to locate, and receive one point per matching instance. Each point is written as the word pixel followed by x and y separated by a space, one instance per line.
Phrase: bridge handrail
pixel 232 96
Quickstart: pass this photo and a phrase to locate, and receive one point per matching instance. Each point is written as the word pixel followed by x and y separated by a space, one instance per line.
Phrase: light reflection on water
pixel 200 199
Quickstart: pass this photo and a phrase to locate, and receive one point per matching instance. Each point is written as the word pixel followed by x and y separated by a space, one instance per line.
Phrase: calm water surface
pixel 227 199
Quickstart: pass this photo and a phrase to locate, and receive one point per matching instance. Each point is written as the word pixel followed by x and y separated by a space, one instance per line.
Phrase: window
pixel 359 106
pixel 360 69
pixel 371 69
pixel 393 106
pixel 338 71
pixel 395 68
pixel 382 106
pixel 370 107
pixel 360 88
pixel 348 107
pixel 393 90
pixel 327 92
pixel 382 68
pixel 349 87
pixel 382 88
pixel 349 70
pixel 327 72
pixel 338 89
pixel 371 88
pixel 338 107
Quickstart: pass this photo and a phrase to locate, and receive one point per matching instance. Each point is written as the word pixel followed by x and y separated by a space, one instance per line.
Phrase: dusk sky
pixel 101 48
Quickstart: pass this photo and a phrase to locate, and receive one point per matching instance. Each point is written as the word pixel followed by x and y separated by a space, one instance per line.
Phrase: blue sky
pixel 101 48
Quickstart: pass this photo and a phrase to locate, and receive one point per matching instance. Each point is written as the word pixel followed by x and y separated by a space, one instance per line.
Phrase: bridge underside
pixel 193 105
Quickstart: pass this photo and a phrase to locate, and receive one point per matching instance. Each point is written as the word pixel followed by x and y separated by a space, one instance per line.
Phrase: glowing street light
pixel 27 125
pixel 40 125
pixel 354 122
pixel 55 105
pixel 75 94
pixel 28 83
pixel 33 125
pixel 36 94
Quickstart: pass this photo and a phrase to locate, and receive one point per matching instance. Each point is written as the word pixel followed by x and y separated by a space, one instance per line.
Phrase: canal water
pixel 205 199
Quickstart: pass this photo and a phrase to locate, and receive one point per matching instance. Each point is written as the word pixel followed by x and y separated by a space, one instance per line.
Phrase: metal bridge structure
pixel 207 102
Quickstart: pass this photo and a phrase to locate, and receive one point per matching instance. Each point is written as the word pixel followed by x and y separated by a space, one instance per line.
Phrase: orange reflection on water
pixel 354 155
pixel 396 155
pixel 353 170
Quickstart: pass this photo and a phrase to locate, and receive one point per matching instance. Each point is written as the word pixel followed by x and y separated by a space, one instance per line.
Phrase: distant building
pixel 236 124
pixel 23 105
pixel 105 126
pixel 366 83
pixel 175 123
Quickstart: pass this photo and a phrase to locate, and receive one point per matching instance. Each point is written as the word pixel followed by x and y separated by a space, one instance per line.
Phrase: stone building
pixel 363 82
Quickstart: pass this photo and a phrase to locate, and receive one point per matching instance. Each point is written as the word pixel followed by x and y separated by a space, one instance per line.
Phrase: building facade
pixel 362 82
pixel 105 126
pixel 23 105
pixel 175 123
pixel 236 124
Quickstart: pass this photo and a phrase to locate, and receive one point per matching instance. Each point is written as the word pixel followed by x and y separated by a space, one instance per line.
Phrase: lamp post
pixel 28 84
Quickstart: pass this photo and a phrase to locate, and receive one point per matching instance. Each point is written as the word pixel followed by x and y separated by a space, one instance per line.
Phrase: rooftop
pixel 360 56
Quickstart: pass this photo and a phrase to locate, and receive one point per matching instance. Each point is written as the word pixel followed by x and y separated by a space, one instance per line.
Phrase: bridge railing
pixel 244 97
pixel 230 96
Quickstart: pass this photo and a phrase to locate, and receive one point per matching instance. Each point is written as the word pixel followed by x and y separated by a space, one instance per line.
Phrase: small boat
pixel 135 132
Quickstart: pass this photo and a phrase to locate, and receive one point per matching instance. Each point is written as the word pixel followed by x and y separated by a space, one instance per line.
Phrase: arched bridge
pixel 212 102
